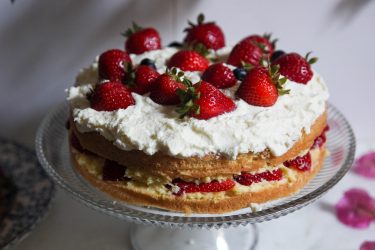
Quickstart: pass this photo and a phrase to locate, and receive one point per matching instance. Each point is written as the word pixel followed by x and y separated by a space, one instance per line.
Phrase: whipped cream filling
pixel 151 128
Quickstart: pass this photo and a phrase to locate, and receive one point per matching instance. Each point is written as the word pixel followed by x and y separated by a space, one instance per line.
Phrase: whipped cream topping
pixel 151 128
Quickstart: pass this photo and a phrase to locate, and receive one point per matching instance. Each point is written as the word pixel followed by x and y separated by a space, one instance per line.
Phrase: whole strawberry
pixel 188 60
pixel 219 75
pixel 204 101
pixel 111 65
pixel 264 42
pixel 111 96
pixel 140 40
pixel 206 33
pixel 141 79
pixel 296 68
pixel 245 52
pixel 164 90
pixel 261 87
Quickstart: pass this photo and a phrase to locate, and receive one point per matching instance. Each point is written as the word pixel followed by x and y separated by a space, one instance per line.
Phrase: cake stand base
pixel 152 238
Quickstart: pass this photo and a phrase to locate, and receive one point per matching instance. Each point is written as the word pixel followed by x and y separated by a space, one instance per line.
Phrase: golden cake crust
pixel 169 167
pixel 229 202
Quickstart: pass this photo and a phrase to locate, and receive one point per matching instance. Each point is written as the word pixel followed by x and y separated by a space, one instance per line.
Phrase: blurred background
pixel 44 43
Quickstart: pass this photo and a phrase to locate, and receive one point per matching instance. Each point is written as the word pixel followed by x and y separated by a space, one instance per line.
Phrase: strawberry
pixel 261 86
pixel 247 179
pixel 111 96
pixel 192 187
pixel 140 40
pixel 295 67
pixel 262 41
pixel 204 101
pixel 301 163
pixel 245 52
pixel 112 63
pixel 206 33
pixel 164 90
pixel 188 60
pixel 321 139
pixel 219 75
pixel 141 79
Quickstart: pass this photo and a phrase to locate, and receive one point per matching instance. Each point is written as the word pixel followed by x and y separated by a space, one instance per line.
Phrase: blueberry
pixel 276 55
pixel 148 62
pixel 239 73
pixel 175 44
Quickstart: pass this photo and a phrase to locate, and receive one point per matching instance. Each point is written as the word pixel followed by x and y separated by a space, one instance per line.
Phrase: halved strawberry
pixel 164 90
pixel 245 52
pixel 140 40
pixel 192 187
pixel 261 87
pixel 219 75
pixel 141 79
pixel 247 179
pixel 112 64
pixel 296 68
pixel 188 60
pixel 301 163
pixel 264 42
pixel 207 33
pixel 204 101
pixel 111 96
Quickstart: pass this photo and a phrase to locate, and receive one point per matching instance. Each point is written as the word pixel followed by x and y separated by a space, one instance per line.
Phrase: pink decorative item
pixel 365 165
pixel 368 245
pixel 356 209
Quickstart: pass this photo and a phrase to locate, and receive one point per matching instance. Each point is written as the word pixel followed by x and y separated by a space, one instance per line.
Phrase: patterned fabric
pixel 31 194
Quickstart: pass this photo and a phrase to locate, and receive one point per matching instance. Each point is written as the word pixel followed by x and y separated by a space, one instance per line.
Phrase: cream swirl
pixel 151 128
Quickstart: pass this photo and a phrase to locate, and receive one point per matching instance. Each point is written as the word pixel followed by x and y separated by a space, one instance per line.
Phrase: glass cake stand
pixel 160 229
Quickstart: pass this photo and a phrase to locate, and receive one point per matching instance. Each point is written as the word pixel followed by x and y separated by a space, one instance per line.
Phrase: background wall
pixel 44 43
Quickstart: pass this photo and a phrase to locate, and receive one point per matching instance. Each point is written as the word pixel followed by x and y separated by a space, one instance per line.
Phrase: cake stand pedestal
pixel 160 229
pixel 144 237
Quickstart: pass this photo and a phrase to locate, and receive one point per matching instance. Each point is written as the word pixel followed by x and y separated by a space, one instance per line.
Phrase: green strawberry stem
pixel 273 42
pixel 132 30
pixel 187 97
pixel 310 60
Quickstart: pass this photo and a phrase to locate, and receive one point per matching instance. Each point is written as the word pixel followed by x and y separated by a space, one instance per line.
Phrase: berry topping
pixel 148 62
pixel 262 86
pixel 111 96
pixel 188 60
pixel 192 187
pixel 245 52
pixel 206 33
pixel 247 179
pixel 321 139
pixel 141 79
pixel 112 171
pixel 203 101
pixel 112 65
pixel 276 54
pixel 165 88
pixel 240 73
pixel 295 67
pixel 219 75
pixel 264 42
pixel 175 44
pixel 301 163
pixel 140 40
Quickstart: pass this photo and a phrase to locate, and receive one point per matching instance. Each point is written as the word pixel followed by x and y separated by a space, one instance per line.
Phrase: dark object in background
pixel 7 194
